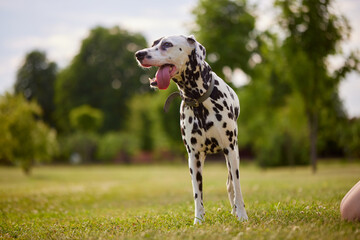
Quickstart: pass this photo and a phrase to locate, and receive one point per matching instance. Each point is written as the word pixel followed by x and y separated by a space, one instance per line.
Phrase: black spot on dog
pixel 206 73
pixel 229 166
pixel 190 119
pixel 213 146
pixel 218 106
pixel 156 42
pixel 180 49
pixel 216 94
pixel 214 141
pixel 192 60
pixel 209 125
pixel 196 195
pixel 236 112
pixel 237 173
pixel 191 171
pixel 196 129
pixel 201 113
pixel 224 125
pixel 218 117
pixel 230 115
pixel 193 140
pixel 198 164
pixel 198 177
pixel 216 110
pixel 226 152
pixel 231 146
pixel 229 133
pixel 225 105
pixel 182 132
pixel 207 142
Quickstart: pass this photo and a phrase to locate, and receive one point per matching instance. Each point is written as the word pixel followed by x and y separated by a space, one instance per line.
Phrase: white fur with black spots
pixel 207 127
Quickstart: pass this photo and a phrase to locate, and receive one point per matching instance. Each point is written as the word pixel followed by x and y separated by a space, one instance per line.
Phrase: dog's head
pixel 172 55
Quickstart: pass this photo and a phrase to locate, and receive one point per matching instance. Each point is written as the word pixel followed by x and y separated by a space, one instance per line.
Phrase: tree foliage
pixel 314 33
pixel 35 81
pixel 272 117
pixel 287 109
pixel 104 75
pixel 23 139
pixel 86 118
pixel 292 99
pixel 227 29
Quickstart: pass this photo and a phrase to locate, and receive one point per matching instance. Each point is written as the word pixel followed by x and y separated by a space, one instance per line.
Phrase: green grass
pixel 155 202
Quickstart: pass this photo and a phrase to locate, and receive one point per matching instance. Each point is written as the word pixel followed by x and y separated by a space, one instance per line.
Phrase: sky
pixel 58 27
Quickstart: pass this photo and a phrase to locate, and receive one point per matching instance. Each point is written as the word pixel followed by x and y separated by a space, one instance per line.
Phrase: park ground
pixel 155 202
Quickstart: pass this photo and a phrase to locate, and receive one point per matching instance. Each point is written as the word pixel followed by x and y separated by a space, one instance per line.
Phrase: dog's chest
pixel 201 130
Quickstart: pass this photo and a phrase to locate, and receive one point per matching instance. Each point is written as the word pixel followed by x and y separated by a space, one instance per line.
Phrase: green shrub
pixel 81 145
pixel 86 118
pixel 24 140
pixel 113 145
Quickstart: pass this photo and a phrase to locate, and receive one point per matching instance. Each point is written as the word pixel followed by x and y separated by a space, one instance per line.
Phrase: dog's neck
pixel 195 79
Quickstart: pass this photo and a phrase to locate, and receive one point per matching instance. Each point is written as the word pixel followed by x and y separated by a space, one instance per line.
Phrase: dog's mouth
pixel 163 76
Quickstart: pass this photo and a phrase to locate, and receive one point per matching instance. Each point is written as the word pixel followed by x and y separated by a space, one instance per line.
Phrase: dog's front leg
pixel 196 162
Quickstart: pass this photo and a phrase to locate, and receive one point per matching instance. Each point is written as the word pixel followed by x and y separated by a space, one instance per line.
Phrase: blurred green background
pixel 100 108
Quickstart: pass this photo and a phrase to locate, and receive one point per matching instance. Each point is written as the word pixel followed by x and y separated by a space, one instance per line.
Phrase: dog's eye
pixel 166 45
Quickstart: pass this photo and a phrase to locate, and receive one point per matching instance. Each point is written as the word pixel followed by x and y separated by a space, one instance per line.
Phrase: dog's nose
pixel 140 55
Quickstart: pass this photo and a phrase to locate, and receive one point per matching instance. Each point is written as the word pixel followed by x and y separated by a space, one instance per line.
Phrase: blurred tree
pixel 227 30
pixel 35 80
pixel 155 130
pixel 103 75
pixel 169 121
pixel 143 119
pixel 272 120
pixel 86 121
pixel 86 118
pixel 350 137
pixel 314 32
pixel 119 147
pixel 23 139
pixel 268 111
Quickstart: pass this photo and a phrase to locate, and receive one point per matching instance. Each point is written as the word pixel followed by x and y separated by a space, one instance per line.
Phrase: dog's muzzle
pixel 140 55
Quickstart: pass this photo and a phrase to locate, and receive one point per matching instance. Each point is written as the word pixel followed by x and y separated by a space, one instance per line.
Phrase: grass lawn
pixel 155 202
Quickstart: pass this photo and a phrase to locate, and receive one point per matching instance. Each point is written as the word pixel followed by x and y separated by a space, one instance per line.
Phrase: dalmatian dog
pixel 208 112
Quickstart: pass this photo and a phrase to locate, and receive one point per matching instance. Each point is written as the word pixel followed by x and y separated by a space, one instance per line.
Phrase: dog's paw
pixel 199 217
pixel 242 216
pixel 198 220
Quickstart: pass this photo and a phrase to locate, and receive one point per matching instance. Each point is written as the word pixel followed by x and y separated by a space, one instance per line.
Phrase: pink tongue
pixel 163 77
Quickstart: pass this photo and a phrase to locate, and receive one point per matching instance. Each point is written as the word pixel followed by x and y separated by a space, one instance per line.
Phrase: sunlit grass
pixel 155 202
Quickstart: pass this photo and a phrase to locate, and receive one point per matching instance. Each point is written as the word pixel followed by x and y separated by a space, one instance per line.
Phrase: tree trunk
pixel 313 128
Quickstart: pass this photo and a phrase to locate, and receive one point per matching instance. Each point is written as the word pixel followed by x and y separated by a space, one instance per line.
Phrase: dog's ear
pixel 199 49
pixel 191 39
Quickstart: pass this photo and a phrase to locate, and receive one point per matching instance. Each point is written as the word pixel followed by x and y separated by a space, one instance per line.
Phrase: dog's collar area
pixel 192 102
